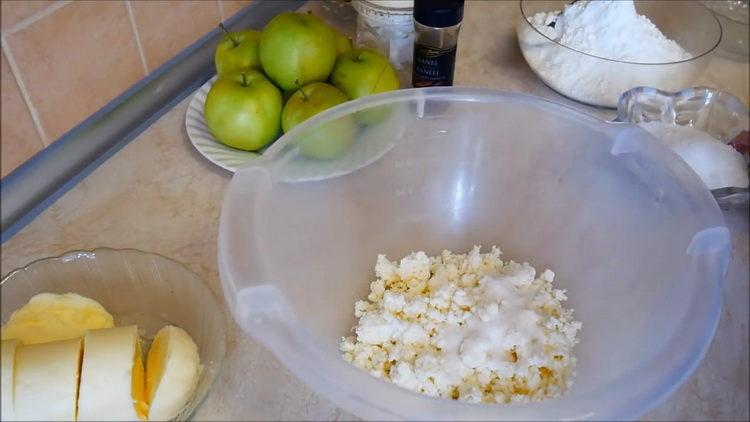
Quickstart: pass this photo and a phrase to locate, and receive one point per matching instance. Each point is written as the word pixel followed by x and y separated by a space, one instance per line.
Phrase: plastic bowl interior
pixel 136 288
pixel 630 231
pixel 600 81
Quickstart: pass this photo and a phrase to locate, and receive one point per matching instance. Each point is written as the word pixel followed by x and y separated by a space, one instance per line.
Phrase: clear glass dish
pixel 631 233
pixel 388 26
pixel 715 112
pixel 600 81
pixel 136 287
pixel 733 16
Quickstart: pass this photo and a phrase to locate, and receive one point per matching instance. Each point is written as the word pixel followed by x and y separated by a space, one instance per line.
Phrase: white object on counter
pixel 610 31
pixel 467 327
pixel 718 164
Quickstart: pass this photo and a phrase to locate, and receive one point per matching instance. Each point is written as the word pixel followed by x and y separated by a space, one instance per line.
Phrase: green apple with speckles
pixel 343 44
pixel 325 142
pixel 296 49
pixel 243 110
pixel 365 72
pixel 237 50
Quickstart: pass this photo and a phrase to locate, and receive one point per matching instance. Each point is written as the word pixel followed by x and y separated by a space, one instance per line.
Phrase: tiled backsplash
pixel 64 60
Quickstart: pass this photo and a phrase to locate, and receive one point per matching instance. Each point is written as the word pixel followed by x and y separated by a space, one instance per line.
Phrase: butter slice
pixel 172 370
pixel 52 317
pixel 7 372
pixel 112 381
pixel 47 381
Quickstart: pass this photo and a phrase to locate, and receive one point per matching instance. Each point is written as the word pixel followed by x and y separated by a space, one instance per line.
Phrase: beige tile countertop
pixel 158 194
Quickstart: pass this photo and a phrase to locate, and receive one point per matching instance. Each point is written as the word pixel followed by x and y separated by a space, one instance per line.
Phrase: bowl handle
pixel 240 258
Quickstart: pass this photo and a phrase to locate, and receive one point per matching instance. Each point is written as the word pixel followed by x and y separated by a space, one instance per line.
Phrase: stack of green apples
pixel 295 68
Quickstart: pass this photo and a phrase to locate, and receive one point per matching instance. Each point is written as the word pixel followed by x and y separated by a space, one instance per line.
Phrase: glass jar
pixel 388 27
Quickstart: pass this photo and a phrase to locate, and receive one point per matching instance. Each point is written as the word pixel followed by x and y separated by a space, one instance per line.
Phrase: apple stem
pixel 303 94
pixel 244 79
pixel 229 34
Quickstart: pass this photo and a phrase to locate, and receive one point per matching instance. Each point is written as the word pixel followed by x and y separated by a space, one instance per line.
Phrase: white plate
pixel 195 124
pixel 371 145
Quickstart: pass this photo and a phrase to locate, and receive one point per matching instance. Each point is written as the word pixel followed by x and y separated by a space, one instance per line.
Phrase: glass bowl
pixel 721 115
pixel 733 16
pixel 136 287
pixel 600 81
pixel 631 233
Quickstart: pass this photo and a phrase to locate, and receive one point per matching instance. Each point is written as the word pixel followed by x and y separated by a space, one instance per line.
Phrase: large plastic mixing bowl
pixel 630 231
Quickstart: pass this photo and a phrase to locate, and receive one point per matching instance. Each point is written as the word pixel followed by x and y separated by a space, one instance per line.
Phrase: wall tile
pixel 75 60
pixel 13 11
pixel 230 7
pixel 167 27
pixel 18 137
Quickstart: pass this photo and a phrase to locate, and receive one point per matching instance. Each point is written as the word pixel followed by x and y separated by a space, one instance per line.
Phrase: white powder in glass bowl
pixel 606 29
pixel 466 327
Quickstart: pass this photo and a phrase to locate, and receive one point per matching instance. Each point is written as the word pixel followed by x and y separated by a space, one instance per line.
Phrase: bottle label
pixel 432 66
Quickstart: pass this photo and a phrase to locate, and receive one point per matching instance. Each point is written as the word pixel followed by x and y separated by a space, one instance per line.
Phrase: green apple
pixel 243 109
pixel 237 50
pixel 296 49
pixel 328 141
pixel 365 72
pixel 343 44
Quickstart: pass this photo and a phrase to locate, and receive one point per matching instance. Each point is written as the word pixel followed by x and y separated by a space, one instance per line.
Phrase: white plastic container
pixel 630 231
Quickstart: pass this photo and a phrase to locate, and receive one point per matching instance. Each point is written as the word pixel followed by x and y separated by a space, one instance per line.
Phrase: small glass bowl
pixel 715 112
pixel 733 16
pixel 599 81
pixel 136 287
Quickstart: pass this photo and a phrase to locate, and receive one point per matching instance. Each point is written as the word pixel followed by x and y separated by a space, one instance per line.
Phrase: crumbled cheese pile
pixel 466 327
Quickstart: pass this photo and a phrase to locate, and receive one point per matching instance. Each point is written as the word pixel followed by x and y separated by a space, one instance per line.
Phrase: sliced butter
pixel 46 384
pixel 52 317
pixel 112 385
pixel 172 370
pixel 7 372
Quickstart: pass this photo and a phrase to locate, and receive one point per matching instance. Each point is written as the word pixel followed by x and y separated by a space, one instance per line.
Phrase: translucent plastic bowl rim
pixel 304 345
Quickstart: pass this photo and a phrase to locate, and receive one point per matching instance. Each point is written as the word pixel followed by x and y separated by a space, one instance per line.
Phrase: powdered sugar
pixel 606 29
pixel 611 30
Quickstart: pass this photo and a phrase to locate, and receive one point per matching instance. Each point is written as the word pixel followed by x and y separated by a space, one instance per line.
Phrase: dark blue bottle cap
pixel 438 13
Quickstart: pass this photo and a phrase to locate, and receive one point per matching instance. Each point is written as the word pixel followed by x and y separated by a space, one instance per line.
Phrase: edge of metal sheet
pixel 39 182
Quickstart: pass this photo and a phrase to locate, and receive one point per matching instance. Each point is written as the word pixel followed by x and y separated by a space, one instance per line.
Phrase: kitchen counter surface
pixel 158 194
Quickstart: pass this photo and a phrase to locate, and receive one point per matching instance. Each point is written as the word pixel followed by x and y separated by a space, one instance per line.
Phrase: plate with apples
pixel 269 82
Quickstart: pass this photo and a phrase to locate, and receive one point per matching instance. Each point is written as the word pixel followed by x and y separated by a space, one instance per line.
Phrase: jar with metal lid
pixel 387 26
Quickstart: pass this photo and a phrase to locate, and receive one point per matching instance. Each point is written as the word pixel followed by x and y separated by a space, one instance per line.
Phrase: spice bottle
pixel 436 25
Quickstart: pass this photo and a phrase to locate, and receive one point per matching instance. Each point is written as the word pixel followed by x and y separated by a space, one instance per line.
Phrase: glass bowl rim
pixel 708 51
pixel 219 360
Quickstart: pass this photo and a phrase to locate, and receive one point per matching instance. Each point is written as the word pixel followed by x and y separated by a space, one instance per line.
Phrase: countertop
pixel 158 194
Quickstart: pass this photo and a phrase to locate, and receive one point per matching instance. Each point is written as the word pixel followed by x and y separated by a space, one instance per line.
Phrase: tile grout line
pixel 24 92
pixel 220 4
pixel 23 23
pixel 134 27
